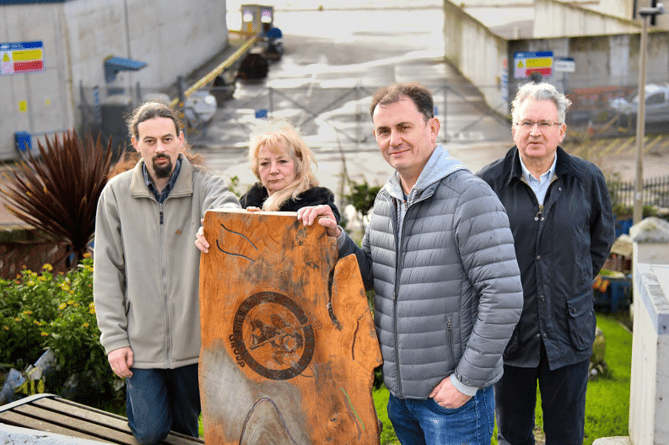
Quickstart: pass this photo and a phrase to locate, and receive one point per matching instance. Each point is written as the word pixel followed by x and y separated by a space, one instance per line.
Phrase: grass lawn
pixel 607 399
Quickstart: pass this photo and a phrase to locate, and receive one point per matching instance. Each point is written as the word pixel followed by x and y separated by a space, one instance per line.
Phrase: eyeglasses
pixel 543 125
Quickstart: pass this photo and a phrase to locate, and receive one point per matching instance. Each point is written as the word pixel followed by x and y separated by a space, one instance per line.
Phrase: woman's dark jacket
pixel 560 250
pixel 257 194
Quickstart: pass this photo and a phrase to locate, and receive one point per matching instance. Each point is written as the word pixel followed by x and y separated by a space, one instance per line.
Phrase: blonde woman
pixel 282 163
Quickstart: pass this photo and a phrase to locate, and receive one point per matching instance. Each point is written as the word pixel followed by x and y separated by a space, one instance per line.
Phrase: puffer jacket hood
pixel 437 168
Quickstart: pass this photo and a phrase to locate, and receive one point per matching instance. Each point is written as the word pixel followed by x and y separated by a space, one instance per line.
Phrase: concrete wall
pixel 478 53
pixel 47 94
pixel 174 38
pixel 649 388
pixel 554 18
pixel 600 60
pixel 619 8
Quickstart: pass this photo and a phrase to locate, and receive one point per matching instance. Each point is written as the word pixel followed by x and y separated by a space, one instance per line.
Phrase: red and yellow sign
pixel 526 63
pixel 21 57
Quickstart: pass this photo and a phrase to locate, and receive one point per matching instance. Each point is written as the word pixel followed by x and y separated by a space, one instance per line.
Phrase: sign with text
pixel 526 63
pixel 21 57
pixel 564 64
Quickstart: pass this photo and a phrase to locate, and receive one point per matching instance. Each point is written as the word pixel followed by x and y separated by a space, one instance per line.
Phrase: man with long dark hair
pixel 146 274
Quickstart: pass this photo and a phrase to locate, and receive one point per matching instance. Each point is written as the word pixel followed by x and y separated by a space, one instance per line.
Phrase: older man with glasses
pixel 560 215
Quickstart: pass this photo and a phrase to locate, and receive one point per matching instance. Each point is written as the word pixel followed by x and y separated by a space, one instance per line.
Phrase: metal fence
pixel 611 111
pixel 655 192
pixel 339 115
pixel 332 115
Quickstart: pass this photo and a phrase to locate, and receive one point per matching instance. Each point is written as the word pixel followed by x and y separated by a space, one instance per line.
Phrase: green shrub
pixel 362 196
pixel 27 305
pixel 42 310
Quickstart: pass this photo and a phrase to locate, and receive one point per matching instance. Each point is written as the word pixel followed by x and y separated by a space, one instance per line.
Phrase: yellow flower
pixel 85 325
pixel 44 334
pixel 92 305
pixel 70 302
pixel 41 278
pixel 17 319
pixel 48 267
pixel 75 305
pixel 65 287
pixel 6 328
pixel 87 255
pixel 62 306
pixel 28 312
pixel 37 323
pixel 71 292
pixel 91 311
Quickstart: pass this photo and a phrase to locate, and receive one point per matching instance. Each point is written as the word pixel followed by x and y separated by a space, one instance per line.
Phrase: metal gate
pixel 340 116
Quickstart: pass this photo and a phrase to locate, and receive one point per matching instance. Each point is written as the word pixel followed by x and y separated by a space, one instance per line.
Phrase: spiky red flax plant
pixel 58 192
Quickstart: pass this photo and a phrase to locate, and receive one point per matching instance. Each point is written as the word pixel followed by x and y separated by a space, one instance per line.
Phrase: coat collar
pixel 564 166
pixel 183 186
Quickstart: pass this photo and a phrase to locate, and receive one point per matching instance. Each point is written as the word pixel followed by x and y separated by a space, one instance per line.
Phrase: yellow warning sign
pixel 23 106
pixel 28 54
pixel 21 57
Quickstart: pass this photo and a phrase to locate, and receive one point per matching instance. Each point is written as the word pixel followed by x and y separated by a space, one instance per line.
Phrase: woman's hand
pixel 323 214
pixel 200 241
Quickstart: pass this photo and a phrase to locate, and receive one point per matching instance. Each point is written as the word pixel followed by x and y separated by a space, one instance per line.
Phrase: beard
pixel 162 171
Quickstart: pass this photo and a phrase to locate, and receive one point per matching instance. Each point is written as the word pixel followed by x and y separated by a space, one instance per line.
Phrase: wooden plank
pixel 68 408
pixel 288 342
pixel 62 416
pixel 108 420
pixel 21 420
pixel 60 423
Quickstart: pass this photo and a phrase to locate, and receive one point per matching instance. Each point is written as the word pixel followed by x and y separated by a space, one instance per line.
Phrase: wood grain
pixel 288 341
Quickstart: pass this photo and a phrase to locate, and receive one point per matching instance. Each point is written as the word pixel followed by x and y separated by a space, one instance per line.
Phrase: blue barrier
pixel 23 141
pixel 617 295
pixel 623 226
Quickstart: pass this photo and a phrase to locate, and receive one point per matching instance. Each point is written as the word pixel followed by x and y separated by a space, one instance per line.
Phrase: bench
pixel 53 414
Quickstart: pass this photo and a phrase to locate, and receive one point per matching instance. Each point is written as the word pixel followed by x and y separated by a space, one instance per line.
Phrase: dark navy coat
pixel 560 250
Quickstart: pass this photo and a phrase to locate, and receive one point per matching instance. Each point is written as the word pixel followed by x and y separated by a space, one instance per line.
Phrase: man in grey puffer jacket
pixel 439 254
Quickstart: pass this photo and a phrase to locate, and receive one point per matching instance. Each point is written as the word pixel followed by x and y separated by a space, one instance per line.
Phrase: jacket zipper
pixel 164 286
pixel 398 243
pixel 450 341
pixel 398 213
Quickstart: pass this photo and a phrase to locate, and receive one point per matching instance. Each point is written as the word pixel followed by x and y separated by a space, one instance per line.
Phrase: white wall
pixel 477 52
pixel 47 94
pixel 554 18
pixel 600 60
pixel 649 388
pixel 173 37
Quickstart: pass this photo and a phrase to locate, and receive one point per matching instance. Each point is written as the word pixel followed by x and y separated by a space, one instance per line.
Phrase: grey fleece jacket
pixel 146 265
pixel 447 285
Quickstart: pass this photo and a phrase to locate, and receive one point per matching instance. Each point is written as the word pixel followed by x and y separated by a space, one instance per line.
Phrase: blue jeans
pixel 419 422
pixel 160 400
